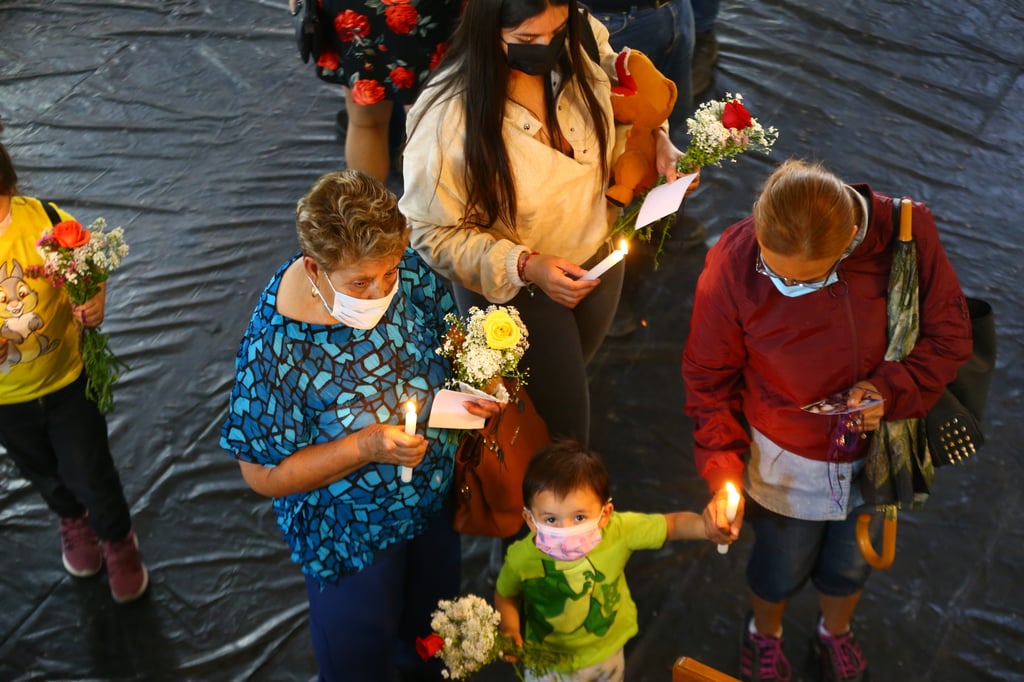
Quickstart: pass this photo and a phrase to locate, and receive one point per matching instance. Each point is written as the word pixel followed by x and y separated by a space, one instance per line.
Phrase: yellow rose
pixel 501 331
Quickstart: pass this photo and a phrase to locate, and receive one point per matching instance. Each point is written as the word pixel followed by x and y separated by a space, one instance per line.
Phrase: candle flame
pixel 623 246
pixel 731 491
pixel 410 406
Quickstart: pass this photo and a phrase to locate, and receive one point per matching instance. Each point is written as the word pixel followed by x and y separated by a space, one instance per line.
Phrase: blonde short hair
pixel 347 217
pixel 804 210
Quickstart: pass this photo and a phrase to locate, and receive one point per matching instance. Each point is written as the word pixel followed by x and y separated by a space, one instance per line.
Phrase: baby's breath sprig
pixel 720 130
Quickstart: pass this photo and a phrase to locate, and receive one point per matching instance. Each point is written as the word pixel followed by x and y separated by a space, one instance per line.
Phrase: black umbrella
pixel 898 471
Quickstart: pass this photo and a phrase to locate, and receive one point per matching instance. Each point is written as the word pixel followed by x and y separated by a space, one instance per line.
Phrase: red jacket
pixel 755 356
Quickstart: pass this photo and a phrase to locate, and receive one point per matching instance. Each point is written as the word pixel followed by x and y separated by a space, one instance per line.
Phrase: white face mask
pixel 358 313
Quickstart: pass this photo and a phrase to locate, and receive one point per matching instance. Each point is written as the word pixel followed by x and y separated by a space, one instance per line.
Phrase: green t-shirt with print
pixel 581 609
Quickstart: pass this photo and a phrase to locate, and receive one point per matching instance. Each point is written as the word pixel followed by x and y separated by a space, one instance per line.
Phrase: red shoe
pixel 127 574
pixel 80 549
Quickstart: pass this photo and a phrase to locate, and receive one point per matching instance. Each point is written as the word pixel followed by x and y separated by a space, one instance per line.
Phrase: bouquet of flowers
pixel 466 637
pixel 486 347
pixel 719 130
pixel 79 261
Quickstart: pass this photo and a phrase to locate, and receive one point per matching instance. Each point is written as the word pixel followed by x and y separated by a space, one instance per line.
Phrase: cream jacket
pixel 561 207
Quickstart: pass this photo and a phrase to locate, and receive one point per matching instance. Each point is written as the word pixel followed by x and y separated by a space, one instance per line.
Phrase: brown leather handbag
pixel 489 468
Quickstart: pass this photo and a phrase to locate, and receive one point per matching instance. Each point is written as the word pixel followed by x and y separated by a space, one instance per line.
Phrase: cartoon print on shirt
pixel 20 323
pixel 557 600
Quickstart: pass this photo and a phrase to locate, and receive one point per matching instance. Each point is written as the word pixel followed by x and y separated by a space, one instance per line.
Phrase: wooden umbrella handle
pixel 875 560
pixel 906 228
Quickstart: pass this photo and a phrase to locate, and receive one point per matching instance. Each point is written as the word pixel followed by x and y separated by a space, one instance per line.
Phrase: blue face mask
pixel 797 290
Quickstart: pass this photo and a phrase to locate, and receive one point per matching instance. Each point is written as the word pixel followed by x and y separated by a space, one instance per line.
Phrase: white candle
pixel 609 260
pixel 410 428
pixel 731 505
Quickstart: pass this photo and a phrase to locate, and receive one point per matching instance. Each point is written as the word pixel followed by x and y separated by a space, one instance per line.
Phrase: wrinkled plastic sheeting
pixel 196 127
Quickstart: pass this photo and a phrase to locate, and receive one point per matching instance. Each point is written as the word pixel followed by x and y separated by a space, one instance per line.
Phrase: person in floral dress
pixel 381 51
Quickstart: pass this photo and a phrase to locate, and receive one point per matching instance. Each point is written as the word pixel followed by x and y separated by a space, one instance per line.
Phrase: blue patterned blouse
pixel 299 384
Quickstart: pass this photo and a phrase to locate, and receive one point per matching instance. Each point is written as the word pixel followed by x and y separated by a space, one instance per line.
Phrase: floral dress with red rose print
pixel 384 49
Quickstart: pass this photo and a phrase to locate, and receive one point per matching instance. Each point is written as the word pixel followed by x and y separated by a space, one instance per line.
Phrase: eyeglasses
pixel 762 268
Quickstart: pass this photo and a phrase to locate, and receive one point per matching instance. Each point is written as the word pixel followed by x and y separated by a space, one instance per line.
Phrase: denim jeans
pixel 788 552
pixel 59 443
pixel 364 626
pixel 665 34
pixel 705 12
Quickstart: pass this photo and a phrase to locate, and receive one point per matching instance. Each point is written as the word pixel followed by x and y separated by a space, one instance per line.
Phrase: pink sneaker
pixel 80 549
pixel 127 574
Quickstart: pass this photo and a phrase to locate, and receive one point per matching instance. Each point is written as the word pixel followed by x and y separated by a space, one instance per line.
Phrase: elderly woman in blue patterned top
pixel 341 338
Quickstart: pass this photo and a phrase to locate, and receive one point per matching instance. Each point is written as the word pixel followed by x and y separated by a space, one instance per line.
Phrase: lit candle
pixel 731 505
pixel 410 428
pixel 609 260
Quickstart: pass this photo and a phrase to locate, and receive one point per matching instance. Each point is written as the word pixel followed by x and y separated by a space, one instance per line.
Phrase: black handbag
pixel 954 423
pixel 308 34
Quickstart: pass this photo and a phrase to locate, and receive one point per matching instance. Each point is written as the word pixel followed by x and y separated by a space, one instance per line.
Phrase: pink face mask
pixel 568 544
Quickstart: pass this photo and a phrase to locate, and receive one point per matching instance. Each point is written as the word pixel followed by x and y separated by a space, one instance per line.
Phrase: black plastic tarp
pixel 194 124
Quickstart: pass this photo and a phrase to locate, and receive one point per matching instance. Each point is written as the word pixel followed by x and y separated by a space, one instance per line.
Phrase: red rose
pixel 329 61
pixel 402 77
pixel 435 57
pixel 396 2
pixel 735 115
pixel 401 18
pixel 427 646
pixel 351 25
pixel 70 234
pixel 366 92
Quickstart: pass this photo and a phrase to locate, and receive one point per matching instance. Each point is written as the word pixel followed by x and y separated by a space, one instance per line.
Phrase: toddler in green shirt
pixel 565 579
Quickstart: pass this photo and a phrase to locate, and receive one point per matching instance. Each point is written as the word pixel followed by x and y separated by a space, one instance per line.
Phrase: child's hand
pixel 515 637
pixel 90 313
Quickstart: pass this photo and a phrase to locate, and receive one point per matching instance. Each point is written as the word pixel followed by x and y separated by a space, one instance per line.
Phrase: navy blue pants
pixel 59 443
pixel 364 626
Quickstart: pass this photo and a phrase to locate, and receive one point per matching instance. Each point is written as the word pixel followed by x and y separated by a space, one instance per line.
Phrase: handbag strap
pixel 51 212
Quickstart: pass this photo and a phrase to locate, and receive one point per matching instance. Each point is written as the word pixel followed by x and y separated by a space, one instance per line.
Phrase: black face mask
pixel 536 60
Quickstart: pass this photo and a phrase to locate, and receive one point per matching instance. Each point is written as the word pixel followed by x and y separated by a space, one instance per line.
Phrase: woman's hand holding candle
pixel 731 507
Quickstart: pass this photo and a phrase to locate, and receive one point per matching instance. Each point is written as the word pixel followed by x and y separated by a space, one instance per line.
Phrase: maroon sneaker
pixel 80 549
pixel 762 657
pixel 127 574
pixel 842 659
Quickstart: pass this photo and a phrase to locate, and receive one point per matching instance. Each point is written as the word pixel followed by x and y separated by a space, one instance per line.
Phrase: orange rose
pixel 70 234
pixel 328 60
pixel 401 18
pixel 351 25
pixel 435 57
pixel 402 77
pixel 366 92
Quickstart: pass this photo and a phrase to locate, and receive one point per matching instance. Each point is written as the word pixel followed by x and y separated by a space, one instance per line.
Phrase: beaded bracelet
pixel 521 265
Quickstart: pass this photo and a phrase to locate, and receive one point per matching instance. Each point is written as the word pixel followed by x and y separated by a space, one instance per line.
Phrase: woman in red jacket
pixel 791 308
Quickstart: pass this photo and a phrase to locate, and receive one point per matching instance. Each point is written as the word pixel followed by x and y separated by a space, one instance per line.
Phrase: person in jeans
pixel 663 30
pixel 791 308
pixel 54 434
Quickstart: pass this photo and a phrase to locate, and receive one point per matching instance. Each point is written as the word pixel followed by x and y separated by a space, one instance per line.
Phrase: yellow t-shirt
pixel 35 318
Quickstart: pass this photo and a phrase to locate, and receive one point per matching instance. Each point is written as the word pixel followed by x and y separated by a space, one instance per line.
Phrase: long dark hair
pixel 8 177
pixel 474 70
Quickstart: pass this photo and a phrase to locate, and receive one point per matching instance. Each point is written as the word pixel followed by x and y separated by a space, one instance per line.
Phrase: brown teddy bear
pixel 643 98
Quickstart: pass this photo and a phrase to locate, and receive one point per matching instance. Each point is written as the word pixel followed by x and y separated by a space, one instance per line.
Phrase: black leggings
pixel 59 443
